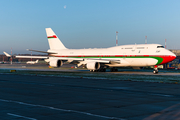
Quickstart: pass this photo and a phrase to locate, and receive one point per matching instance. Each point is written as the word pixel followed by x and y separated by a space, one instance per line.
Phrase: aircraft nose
pixel 172 56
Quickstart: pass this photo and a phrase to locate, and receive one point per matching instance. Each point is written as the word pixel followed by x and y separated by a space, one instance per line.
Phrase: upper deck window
pixel 160 46
pixel 128 48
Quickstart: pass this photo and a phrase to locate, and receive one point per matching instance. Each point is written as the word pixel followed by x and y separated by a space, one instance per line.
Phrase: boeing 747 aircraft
pixel 138 55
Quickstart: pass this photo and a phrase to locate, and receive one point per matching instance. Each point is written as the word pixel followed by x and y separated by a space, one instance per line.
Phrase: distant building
pixel 6 59
pixel 177 52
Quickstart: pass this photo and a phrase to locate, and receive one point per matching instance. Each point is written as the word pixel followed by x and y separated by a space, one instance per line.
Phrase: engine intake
pixel 56 63
pixel 93 65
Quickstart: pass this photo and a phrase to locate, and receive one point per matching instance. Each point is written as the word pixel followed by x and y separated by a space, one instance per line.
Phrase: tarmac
pixel 71 68
pixel 38 97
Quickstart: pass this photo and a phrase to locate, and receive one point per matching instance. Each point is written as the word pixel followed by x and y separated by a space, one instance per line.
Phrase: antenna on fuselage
pixel 165 43
pixel 11 55
pixel 145 39
pixel 31 54
pixel 116 38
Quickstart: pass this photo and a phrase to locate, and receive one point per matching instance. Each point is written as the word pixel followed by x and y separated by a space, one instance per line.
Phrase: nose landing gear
pixel 155 69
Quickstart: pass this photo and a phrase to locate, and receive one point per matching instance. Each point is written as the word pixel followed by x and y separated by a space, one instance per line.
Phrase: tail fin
pixel 36 61
pixel 54 41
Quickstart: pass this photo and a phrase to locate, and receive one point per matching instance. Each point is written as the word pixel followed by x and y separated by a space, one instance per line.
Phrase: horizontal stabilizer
pixel 40 57
pixel 41 51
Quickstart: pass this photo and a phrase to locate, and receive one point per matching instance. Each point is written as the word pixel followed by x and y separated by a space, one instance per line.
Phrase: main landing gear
pixel 114 69
pixel 155 69
pixel 104 70
pixel 100 70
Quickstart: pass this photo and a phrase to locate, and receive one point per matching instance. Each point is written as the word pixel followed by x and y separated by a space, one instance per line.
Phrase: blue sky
pixel 88 23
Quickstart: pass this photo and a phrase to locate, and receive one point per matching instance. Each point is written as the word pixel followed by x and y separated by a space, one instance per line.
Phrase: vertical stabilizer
pixel 36 61
pixel 54 41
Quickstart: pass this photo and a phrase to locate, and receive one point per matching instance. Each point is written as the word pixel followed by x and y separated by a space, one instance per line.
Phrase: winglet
pixel 8 55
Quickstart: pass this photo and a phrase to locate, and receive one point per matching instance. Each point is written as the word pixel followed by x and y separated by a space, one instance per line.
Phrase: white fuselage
pixel 128 55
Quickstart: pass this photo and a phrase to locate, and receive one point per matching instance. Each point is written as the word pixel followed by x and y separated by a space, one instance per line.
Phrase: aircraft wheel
pixel 114 70
pixel 103 70
pixel 155 71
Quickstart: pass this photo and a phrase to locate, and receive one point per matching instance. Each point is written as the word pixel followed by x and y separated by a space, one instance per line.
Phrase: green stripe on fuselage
pixel 159 59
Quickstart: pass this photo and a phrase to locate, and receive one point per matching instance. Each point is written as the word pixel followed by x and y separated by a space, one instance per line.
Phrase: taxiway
pixel 37 97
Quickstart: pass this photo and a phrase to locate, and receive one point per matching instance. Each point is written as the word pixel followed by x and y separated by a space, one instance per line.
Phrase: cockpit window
pixel 160 46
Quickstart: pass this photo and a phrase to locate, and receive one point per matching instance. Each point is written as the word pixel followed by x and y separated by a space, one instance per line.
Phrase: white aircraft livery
pixel 32 62
pixel 97 59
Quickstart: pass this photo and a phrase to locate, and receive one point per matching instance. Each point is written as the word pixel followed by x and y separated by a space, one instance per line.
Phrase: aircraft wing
pixel 40 57
pixel 20 56
pixel 100 60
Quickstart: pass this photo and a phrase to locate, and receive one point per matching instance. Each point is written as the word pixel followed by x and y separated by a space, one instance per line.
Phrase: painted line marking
pixel 59 109
pixel 21 116
pixel 163 95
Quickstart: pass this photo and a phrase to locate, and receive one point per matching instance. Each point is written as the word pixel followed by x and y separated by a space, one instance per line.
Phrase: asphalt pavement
pixel 34 97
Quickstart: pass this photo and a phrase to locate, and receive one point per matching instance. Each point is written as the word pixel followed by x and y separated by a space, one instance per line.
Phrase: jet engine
pixel 56 63
pixel 93 65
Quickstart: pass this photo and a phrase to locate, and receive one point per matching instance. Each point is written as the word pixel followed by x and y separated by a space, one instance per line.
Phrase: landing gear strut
pixel 155 69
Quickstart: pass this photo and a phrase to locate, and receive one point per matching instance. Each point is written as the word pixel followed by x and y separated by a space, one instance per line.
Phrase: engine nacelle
pixel 56 63
pixel 93 65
